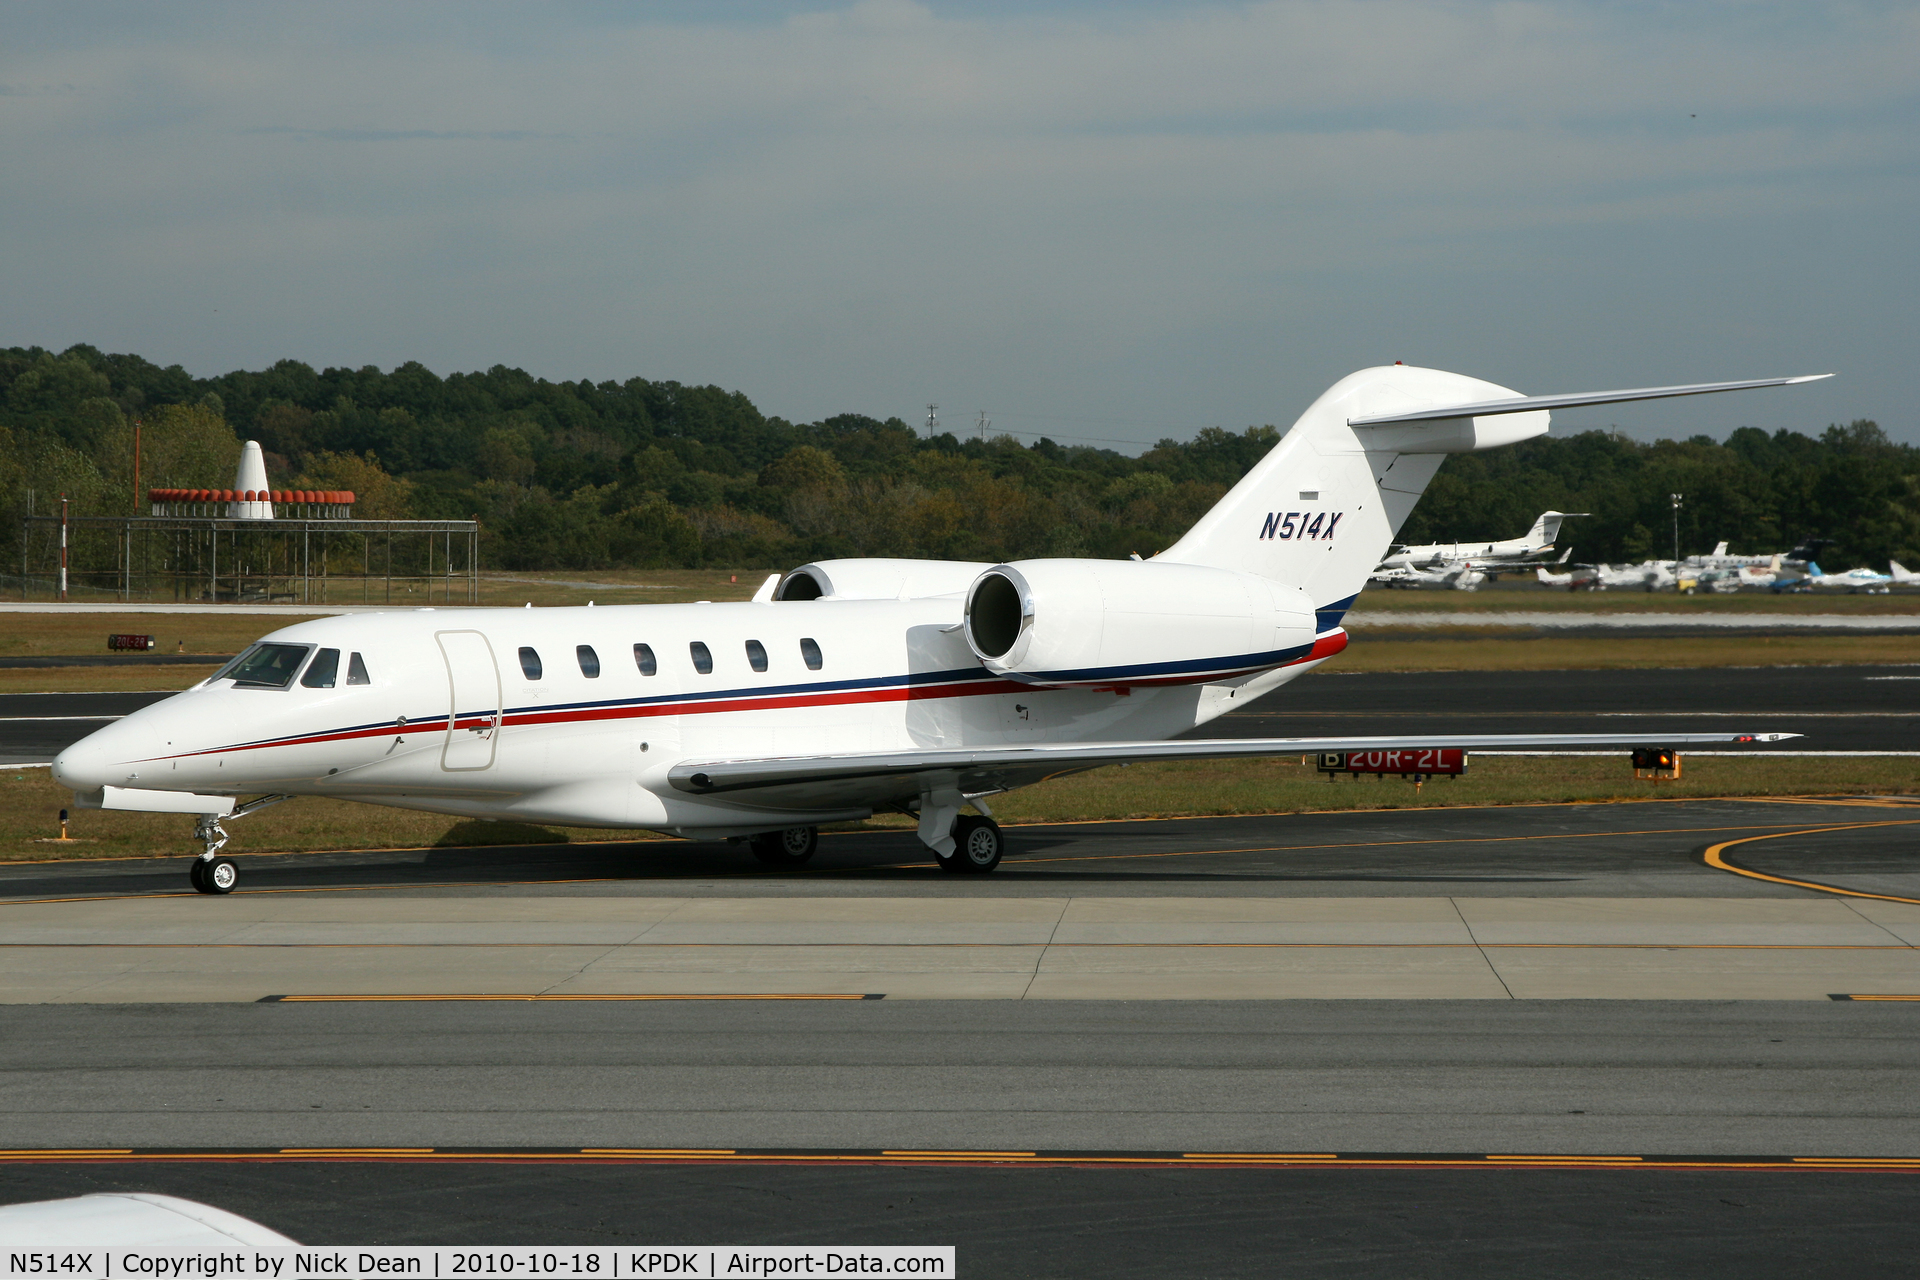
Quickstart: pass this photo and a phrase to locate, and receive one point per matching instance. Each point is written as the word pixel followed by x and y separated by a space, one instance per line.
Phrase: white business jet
pixel 1535 542
pixel 843 687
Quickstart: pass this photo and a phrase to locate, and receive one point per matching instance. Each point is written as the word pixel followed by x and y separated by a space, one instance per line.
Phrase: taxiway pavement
pixel 1543 983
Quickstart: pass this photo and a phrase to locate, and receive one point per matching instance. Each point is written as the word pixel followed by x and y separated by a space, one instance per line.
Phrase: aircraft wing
pixel 881 778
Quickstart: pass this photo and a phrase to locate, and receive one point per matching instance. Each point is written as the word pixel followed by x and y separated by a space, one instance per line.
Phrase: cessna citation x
pixel 846 686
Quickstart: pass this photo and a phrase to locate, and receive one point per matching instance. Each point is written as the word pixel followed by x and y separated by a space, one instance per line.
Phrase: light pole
pixel 1676 528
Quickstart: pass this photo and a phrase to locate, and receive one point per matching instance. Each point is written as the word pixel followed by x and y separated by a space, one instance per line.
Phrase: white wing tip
pixel 1807 377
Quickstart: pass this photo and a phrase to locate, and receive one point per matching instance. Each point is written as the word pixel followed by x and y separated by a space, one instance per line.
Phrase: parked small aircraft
pixel 1535 542
pixel 1861 579
pixel 845 686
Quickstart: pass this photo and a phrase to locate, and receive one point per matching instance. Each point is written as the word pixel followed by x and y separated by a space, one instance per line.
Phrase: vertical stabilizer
pixel 1322 508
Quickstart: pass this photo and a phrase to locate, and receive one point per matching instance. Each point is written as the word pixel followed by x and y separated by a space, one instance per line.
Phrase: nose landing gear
pixel 211 873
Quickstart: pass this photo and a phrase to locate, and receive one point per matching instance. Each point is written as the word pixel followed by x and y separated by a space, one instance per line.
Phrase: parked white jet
pixel 1537 541
pixel 848 687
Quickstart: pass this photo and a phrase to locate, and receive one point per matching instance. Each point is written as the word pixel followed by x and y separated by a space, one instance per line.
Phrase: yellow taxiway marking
pixel 807 995
pixel 1715 857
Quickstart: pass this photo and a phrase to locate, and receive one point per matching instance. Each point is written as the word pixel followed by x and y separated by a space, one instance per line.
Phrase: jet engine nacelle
pixel 1123 622
pixel 875 578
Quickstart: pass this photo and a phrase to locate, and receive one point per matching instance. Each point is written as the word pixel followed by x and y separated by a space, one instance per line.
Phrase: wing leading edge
pixel 881 777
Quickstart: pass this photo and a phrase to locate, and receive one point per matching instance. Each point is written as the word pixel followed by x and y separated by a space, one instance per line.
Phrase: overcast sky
pixel 1101 222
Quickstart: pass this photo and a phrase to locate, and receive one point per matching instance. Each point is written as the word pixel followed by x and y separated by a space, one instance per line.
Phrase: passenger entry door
pixel 473 706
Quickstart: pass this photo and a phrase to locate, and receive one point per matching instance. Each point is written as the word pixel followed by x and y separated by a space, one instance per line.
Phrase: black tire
pixel 219 876
pixel 788 848
pixel 978 845
pixel 196 875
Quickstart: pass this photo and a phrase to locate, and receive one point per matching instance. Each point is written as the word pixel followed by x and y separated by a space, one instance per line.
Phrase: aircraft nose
pixel 110 756
pixel 82 765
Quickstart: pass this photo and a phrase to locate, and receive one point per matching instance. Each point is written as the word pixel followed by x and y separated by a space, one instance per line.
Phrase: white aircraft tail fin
pixel 1719 548
pixel 1322 508
pixel 1901 573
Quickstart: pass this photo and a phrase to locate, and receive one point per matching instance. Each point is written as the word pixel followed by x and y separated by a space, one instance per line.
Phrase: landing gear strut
pixel 788 848
pixel 211 873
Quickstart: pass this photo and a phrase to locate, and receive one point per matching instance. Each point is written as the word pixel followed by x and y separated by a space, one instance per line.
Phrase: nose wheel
pixel 213 875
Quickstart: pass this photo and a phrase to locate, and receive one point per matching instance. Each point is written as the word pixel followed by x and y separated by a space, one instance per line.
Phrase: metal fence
pixel 188 558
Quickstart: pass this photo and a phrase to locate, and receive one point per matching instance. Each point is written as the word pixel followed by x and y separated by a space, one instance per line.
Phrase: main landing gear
pixel 211 873
pixel 788 848
pixel 978 846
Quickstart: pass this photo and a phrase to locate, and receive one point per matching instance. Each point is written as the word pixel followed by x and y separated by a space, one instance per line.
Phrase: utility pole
pixel 136 466
pixel 1676 527
pixel 63 546
pixel 983 424
pixel 933 420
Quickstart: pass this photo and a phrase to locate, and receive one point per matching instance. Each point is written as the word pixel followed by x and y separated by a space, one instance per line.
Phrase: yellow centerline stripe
pixel 1714 857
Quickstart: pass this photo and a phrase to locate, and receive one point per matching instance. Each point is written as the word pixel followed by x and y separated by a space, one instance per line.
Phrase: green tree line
pixel 585 475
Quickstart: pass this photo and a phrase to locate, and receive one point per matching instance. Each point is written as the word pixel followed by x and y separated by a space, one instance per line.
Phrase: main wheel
pixel 219 876
pixel 977 845
pixel 197 875
pixel 787 848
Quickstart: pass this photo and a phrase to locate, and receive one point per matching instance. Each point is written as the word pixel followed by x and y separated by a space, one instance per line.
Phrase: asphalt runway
pixel 1863 708
pixel 1066 1222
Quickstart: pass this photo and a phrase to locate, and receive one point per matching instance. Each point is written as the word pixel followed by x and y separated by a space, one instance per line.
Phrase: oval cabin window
pixel 810 650
pixel 702 658
pixel 643 659
pixel 530 663
pixel 589 661
pixel 756 655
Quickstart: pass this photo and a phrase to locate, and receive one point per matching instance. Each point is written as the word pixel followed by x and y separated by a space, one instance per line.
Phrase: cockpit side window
pixel 322 671
pixel 268 666
pixel 357 671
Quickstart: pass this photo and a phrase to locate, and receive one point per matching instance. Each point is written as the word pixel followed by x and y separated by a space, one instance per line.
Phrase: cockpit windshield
pixel 265 666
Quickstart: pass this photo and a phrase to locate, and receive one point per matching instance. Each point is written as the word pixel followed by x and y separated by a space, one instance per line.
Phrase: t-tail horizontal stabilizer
pixel 1533 404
